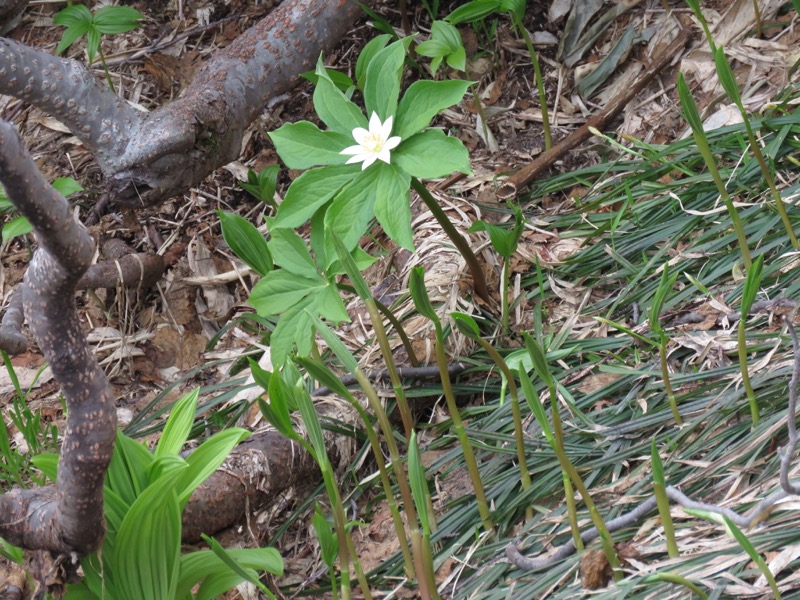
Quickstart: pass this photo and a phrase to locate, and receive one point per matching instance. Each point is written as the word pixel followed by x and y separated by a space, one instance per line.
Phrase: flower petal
pixel 352 150
pixel 384 155
pixel 360 135
pixel 374 124
pixel 386 130
pixel 369 160
pixel 392 143
pixel 355 159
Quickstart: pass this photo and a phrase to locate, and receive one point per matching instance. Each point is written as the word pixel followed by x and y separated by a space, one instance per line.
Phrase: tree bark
pixel 67 517
pixel 147 158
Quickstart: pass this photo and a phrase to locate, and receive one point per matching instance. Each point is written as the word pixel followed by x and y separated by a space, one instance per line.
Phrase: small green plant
pixel 262 185
pixel 665 286
pixel 108 20
pixel 329 549
pixel 660 486
pixel 421 539
pixel 751 286
pixel 692 116
pixel 19 225
pixel 505 242
pixel 445 44
pixel 422 302
pixel 145 493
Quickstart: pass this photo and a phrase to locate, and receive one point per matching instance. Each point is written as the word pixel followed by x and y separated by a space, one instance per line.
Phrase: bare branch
pixel 66 518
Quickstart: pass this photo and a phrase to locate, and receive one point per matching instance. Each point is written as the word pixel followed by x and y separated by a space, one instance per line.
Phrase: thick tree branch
pixel 66 518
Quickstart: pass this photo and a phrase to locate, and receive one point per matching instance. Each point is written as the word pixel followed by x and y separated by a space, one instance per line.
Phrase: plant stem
pixel 398 327
pixel 463 439
pixel 662 356
pixel 742 351
pixel 391 366
pixel 666 520
pixel 105 69
pixel 548 138
pixel 504 296
pixel 458 240
pixel 680 580
pixel 525 476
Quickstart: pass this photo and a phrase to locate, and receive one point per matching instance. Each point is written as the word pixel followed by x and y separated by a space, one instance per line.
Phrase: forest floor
pixel 601 222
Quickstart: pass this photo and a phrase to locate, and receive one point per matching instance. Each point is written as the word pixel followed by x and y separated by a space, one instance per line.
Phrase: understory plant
pixel 145 494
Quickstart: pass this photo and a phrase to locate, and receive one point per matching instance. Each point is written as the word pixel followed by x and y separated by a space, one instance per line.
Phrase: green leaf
pixel 92 43
pixel 535 404
pixel 382 85
pixel 419 294
pixel 445 41
pixel 466 324
pixel 431 154
pixel 665 286
pixel 246 242
pixel 303 145
pixel 178 426
pixel 310 191
pixel 751 285
pixel 15 227
pixel 47 463
pixel 276 411
pixel 233 565
pixel 335 345
pixel 206 459
pixel 473 11
pixel 330 305
pixel 78 21
pixel 328 543
pixel 352 209
pixel 261 376
pixel 502 239
pixel 539 359
pixel 418 483
pixel 392 205
pixel 293 329
pixel 204 564
pixel 334 108
pixel 690 112
pixel 349 265
pixel 291 253
pixel 726 77
pixel 262 186
pixel 340 80
pixel 424 100
pixel 325 376
pixel 280 290
pixel 369 51
pixel 457 60
pixel 313 427
pixel 117 19
pixel 66 186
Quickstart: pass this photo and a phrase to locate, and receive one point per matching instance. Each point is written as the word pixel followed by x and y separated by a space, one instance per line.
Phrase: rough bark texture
pixel 66 518
pixel 148 158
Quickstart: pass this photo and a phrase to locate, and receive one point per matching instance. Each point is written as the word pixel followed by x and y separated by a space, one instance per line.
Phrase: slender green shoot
pixel 728 81
pixel 423 304
pixel 468 327
pixel 660 485
pixel 751 286
pixel 693 118
pixel 422 499
pixel 537 71
pixel 664 287
pixel 695 6
pixel 679 579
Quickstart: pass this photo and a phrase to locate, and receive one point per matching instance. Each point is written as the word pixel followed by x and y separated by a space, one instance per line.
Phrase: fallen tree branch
pixel 756 514
pixel 520 179
pixel 68 517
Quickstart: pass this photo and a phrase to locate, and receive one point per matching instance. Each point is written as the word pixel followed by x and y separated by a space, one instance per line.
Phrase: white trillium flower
pixel 374 144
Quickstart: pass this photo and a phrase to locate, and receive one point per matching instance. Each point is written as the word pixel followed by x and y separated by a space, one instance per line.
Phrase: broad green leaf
pixel 291 253
pixel 382 85
pixel 197 566
pixel 234 566
pixel 431 154
pixel 340 80
pixel 47 463
pixel 473 11
pixel 302 145
pixel 66 186
pixel 466 324
pixel 349 266
pixel 206 459
pixel 276 411
pixel 262 185
pixel 310 191
pixel 16 226
pixel 323 374
pixel 392 205
pixel 515 7
pixel 280 290
pixel 335 345
pixel 78 21
pixel 178 426
pixel 369 51
pixel 539 359
pixel 457 60
pixel 445 42
pixel 535 404
pixel 127 474
pixel 261 376
pixel 502 239
pixel 352 209
pixel 313 427
pixel 92 43
pixel 117 19
pixel 424 100
pixel 330 305
pixel 334 108
pixel 246 241
pixel 79 591
pixel 293 329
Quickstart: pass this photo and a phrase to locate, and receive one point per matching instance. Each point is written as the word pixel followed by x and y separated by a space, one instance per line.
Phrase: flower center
pixel 373 143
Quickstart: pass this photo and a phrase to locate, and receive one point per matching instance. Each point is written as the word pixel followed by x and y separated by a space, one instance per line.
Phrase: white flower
pixel 373 144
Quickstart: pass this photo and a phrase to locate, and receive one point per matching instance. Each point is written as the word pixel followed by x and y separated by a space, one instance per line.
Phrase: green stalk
pixel 105 68
pixel 474 266
pixel 741 342
pixel 525 476
pixel 339 520
pixel 660 485
pixel 426 591
pixel 398 327
pixel 548 138
pixel 569 468
pixel 662 356
pixel 391 366
pixel 463 439
pixel 504 296
pixel 680 580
